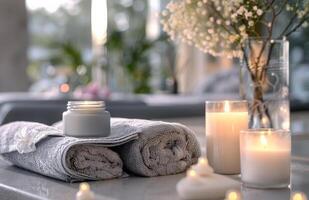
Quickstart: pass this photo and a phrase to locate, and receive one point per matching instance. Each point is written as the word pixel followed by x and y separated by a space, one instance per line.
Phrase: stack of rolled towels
pixel 141 147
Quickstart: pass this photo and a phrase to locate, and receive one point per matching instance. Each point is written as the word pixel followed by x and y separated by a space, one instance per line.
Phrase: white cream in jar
pixel 86 119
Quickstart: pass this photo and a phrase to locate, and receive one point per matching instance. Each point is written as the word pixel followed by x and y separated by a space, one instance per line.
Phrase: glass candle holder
pixel 265 158
pixel 224 121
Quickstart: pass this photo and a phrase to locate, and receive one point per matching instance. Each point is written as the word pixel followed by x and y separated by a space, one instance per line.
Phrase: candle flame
pixel 192 173
pixel 84 187
pixel 299 196
pixel 263 140
pixel 233 195
pixel 203 161
pixel 226 106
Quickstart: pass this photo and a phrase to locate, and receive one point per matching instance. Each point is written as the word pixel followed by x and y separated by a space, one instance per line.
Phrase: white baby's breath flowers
pixel 215 27
pixel 220 27
pixel 259 12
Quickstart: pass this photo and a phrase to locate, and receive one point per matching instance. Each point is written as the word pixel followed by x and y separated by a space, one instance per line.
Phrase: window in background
pixel 140 57
pixel 60 48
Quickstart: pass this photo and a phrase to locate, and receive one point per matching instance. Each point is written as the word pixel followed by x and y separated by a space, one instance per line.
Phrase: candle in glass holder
pixel 224 121
pixel 265 158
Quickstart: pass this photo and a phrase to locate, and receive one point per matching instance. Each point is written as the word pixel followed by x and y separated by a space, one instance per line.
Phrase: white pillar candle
pixel 265 158
pixel 224 121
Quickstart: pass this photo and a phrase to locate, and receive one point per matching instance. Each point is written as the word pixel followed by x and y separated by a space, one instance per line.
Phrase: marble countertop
pixel 16 183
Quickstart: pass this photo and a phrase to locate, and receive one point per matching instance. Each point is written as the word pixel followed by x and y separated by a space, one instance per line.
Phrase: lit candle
pixel 224 121
pixel 201 183
pixel 299 196
pixel 192 176
pixel 265 158
pixel 199 171
pixel 84 192
pixel 202 168
pixel 233 195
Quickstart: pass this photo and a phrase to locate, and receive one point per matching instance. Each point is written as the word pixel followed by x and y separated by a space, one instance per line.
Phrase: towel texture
pixel 161 148
pixel 44 150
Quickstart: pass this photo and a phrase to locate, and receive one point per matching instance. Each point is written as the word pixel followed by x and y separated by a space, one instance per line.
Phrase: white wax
pixel 209 187
pixel 85 196
pixel 222 135
pixel 266 167
pixel 202 168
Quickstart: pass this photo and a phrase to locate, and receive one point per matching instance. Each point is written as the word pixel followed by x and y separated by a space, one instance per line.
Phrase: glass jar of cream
pixel 86 119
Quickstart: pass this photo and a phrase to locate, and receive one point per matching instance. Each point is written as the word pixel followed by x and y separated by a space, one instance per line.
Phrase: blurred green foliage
pixel 64 37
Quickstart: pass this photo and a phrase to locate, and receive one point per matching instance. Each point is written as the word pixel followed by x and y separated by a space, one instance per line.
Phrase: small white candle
pixel 202 168
pixel 233 195
pixel 299 196
pixel 192 176
pixel 201 183
pixel 265 158
pixel 224 121
pixel 84 192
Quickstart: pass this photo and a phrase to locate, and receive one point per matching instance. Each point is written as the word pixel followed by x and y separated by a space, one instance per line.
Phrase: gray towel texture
pixel 161 148
pixel 146 148
pixel 44 149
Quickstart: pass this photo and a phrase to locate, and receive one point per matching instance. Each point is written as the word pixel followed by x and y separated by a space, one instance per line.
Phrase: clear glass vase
pixel 264 82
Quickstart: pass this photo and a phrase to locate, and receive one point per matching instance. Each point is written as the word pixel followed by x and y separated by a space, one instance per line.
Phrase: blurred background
pixel 48 44
pixel 48 51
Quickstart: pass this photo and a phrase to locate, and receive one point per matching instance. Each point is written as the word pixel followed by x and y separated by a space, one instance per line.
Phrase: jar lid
pixel 85 105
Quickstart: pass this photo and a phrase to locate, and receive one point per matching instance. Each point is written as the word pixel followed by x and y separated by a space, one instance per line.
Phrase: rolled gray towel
pixel 161 148
pixel 44 150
